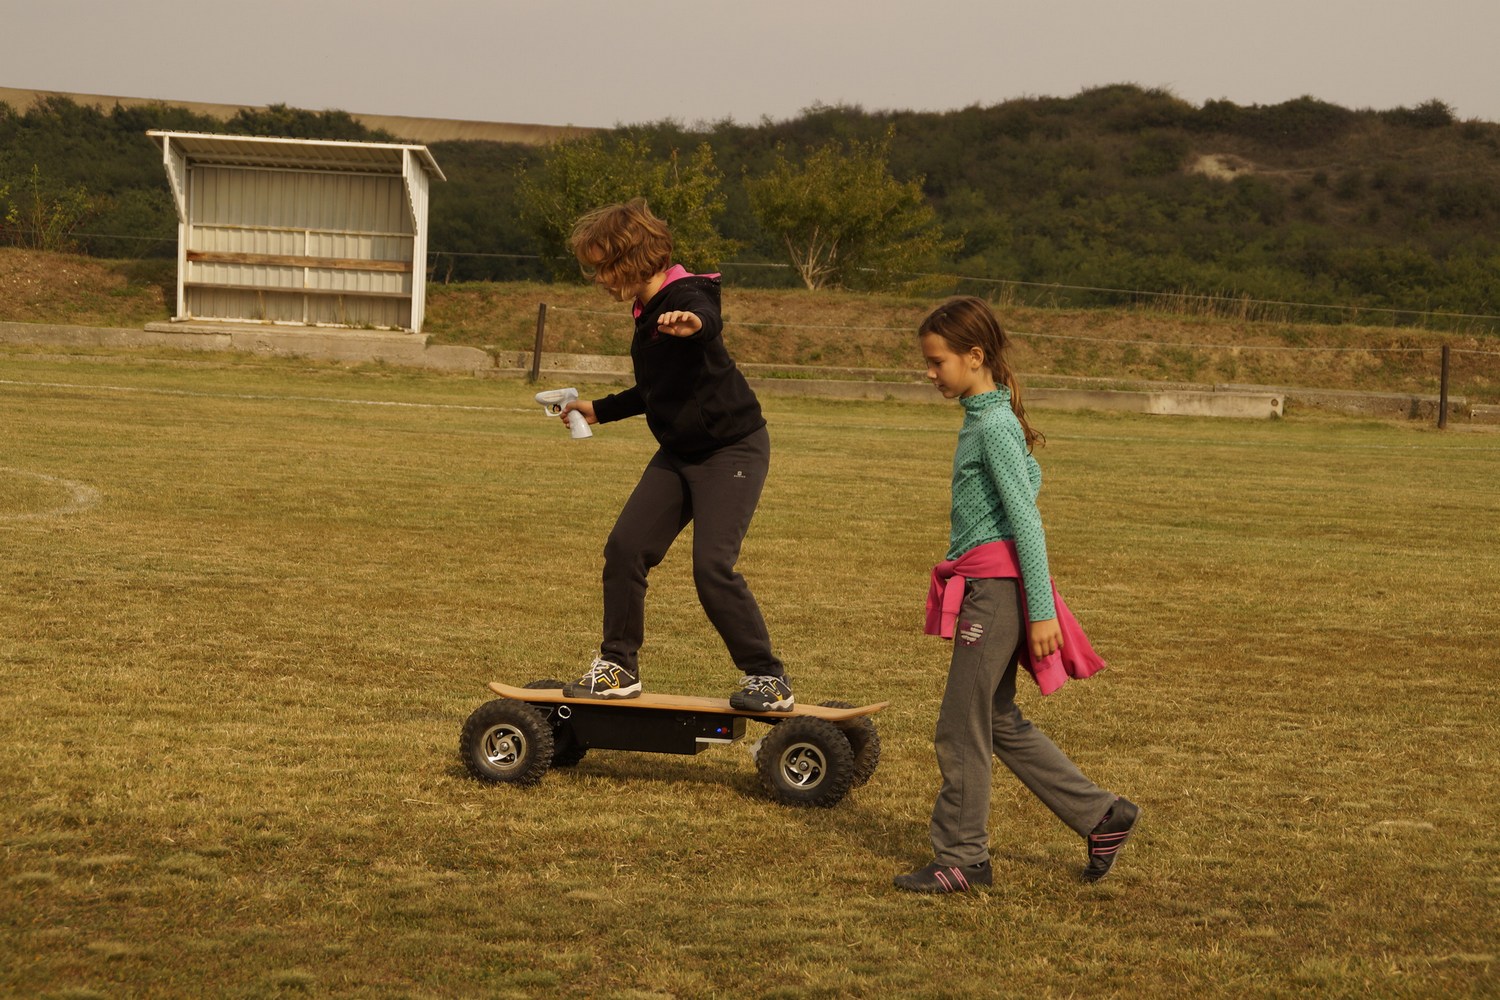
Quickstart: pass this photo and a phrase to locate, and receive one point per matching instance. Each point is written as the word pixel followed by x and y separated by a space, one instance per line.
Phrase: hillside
pixel 838 329
pixel 1124 188
pixel 1114 197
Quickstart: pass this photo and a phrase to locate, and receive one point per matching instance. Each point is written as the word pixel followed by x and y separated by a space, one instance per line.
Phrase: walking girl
pixel 993 596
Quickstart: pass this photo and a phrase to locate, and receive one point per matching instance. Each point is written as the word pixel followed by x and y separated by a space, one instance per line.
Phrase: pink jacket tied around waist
pixel 998 560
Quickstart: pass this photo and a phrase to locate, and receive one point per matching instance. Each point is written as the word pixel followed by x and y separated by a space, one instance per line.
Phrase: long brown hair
pixel 621 243
pixel 967 322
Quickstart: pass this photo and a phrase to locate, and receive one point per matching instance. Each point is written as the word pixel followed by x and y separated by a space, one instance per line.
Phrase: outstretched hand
pixel 679 323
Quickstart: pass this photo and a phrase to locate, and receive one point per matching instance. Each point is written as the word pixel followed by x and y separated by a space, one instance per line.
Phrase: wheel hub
pixel 803 765
pixel 504 746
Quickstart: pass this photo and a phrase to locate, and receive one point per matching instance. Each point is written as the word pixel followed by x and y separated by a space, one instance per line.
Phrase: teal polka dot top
pixel 995 486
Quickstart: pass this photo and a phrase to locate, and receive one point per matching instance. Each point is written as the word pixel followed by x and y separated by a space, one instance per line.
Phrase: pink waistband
pixel 999 560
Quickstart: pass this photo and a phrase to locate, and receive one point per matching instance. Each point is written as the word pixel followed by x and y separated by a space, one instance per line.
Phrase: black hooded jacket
pixel 695 400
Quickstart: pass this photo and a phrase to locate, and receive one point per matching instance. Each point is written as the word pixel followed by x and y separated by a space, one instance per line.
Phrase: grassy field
pixel 247 605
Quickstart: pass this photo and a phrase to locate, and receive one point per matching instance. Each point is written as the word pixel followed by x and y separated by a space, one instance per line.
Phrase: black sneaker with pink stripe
pixel 947 878
pixel 1108 838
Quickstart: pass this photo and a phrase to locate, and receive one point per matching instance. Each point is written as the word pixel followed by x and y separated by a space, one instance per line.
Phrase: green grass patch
pixel 248 606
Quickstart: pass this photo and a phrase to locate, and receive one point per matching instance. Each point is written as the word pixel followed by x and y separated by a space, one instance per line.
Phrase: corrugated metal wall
pixel 352 235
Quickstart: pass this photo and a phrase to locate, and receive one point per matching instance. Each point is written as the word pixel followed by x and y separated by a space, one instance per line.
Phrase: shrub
pixel 1430 114
pixel 1466 200
pixel 1301 122
pixel 1350 185
pixel 45 216
pixel 1157 155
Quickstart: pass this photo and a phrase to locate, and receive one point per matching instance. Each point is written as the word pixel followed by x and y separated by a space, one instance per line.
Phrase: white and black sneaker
pixel 605 680
pixel 763 693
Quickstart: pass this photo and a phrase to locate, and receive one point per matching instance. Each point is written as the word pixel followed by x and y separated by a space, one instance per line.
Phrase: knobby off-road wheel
pixel 566 750
pixel 806 762
pixel 507 741
pixel 863 740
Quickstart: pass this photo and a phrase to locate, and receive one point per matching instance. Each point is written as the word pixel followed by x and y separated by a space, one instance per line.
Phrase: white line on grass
pixel 80 496
pixel 264 397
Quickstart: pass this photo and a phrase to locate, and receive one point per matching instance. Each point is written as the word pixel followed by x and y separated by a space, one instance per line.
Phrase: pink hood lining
pixel 674 273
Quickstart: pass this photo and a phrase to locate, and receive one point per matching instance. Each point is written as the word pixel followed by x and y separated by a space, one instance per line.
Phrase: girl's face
pixel 613 284
pixel 956 376
pixel 620 290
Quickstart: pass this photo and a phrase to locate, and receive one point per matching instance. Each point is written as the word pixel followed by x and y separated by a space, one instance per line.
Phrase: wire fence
pixel 1440 372
pixel 1125 357
pixel 1114 341
pixel 1209 303
pixel 1043 293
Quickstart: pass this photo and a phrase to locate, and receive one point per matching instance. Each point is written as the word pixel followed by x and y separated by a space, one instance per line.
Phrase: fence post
pixel 1443 392
pixel 536 351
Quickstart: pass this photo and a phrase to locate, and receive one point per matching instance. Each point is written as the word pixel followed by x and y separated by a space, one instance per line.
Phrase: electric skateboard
pixel 812 755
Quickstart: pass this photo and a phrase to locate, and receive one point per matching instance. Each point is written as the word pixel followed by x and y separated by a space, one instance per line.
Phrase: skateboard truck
pixel 812 755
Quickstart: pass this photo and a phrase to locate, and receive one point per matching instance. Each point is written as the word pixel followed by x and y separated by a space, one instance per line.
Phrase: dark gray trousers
pixel 718 495
pixel 979 718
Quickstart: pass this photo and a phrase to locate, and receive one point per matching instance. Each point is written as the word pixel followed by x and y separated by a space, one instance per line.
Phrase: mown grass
pixel 247 607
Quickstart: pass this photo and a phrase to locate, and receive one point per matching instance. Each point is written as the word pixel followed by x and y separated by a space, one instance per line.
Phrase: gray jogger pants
pixel 718 495
pixel 979 718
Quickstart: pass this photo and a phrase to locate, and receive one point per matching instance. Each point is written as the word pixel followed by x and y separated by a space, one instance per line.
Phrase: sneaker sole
pixel 941 884
pixel 775 706
pixel 630 692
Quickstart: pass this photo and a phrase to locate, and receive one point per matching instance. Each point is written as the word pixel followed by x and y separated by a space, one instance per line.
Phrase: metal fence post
pixel 1443 392
pixel 536 351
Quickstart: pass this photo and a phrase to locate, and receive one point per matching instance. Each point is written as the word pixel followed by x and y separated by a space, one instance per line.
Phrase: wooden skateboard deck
pixel 680 703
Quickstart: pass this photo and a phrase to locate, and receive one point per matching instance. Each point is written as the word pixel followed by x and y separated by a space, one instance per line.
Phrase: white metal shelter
pixel 305 232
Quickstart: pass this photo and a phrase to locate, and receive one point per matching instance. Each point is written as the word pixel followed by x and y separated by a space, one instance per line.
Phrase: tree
pixel 295 123
pixel 844 220
pixel 579 175
pixel 45 218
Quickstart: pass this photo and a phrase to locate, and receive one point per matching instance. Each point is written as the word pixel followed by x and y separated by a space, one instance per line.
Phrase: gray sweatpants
pixel 718 495
pixel 979 717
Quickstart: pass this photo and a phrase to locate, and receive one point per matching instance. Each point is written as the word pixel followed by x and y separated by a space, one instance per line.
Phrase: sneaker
pixel 938 878
pixel 1107 839
pixel 763 693
pixel 605 680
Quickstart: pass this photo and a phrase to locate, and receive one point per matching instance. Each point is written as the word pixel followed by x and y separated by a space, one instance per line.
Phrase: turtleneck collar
pixel 985 400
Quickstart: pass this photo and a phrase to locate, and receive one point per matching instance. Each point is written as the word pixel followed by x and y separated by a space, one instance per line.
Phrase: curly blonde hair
pixel 622 243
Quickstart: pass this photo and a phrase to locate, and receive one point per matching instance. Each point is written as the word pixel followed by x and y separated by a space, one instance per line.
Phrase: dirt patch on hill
pixel 1221 166
pixel 40 287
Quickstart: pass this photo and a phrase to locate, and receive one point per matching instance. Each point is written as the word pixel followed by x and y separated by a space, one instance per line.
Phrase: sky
pixel 593 63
